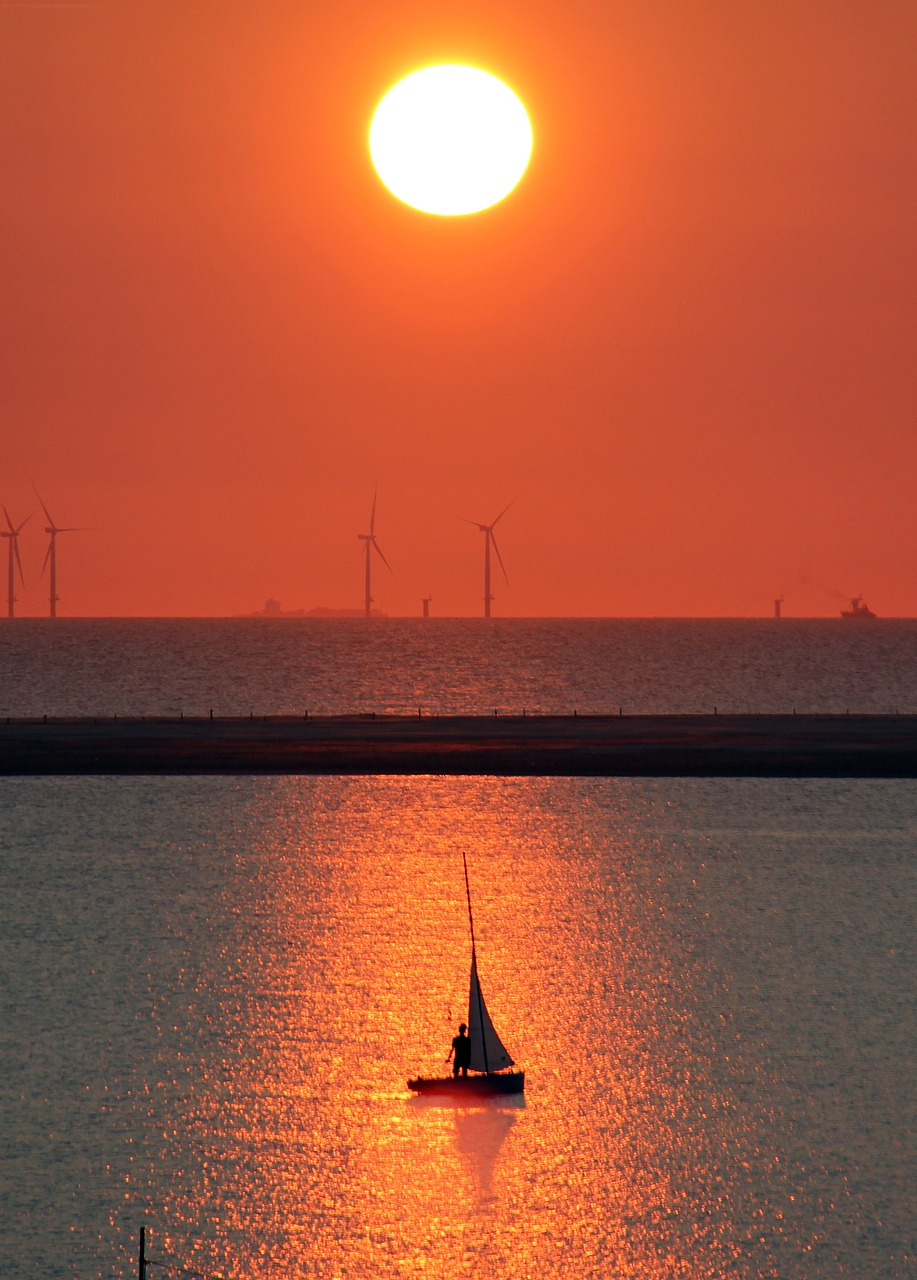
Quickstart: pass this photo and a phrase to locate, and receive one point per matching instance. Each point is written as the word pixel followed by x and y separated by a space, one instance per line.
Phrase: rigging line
pixel 454 999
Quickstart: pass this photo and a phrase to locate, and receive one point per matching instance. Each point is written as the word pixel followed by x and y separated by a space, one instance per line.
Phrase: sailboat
pixel 489 1060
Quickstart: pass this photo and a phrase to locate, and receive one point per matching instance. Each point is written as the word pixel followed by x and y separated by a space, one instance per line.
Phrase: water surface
pixel 157 666
pixel 213 990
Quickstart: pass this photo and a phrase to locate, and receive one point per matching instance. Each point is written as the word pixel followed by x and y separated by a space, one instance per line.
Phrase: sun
pixel 450 140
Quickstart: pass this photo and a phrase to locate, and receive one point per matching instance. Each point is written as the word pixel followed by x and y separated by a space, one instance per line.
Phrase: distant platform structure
pixel 272 609
pixel 323 612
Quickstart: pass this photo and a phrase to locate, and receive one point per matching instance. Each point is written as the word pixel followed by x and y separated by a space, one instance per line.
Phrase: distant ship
pixel 858 609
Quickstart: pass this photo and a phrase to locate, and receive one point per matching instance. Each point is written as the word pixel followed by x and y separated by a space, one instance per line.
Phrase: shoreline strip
pixel 789 746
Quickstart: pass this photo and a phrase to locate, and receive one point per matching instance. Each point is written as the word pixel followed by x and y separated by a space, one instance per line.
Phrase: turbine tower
pixel 13 561
pixel 371 543
pixel 490 541
pixel 51 555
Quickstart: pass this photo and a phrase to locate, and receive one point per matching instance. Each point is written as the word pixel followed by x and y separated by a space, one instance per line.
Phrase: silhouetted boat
pixel 858 609
pixel 489 1059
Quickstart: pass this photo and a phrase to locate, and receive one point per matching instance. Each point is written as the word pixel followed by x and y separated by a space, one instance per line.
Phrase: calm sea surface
pixel 213 990
pixel 272 666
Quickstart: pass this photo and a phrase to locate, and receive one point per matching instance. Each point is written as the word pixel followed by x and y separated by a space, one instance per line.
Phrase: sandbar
pixel 773 746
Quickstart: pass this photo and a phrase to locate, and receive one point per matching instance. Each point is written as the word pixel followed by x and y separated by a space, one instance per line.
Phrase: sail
pixel 487 1051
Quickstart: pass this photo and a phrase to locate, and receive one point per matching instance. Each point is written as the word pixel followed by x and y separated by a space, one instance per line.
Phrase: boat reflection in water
pixel 480 1132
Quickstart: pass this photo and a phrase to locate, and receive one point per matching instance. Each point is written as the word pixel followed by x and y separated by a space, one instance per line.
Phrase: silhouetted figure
pixel 461 1049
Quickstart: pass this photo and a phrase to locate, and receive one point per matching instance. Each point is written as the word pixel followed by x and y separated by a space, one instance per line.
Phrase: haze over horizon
pixel 685 341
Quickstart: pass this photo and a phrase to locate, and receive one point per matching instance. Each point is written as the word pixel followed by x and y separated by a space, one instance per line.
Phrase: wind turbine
pixel 370 540
pixel 13 561
pixel 490 541
pixel 51 555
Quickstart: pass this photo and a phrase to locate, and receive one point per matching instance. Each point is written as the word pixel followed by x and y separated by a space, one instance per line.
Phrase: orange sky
pixel 686 341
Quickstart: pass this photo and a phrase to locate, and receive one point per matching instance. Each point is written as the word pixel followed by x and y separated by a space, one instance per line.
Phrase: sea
pixel 213 990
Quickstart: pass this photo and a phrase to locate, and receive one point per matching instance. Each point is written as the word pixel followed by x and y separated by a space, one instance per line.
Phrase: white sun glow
pixel 450 140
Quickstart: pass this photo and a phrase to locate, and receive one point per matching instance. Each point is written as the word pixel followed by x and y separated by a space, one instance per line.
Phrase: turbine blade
pixel 47 558
pixel 18 561
pixel 493 542
pixel 43 507
pixel 23 524
pixel 8 520
pixel 504 511
pixel 384 561
pixel 372 514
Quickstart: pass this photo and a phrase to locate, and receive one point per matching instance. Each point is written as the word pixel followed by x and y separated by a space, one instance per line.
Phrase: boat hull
pixel 484 1086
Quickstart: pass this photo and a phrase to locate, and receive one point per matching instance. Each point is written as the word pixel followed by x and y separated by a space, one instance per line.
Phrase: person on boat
pixel 461 1048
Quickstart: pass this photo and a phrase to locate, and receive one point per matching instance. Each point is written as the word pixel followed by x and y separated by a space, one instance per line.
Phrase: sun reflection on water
pixel 292 1147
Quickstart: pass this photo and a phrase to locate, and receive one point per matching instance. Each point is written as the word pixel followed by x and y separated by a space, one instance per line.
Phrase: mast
pixel 474 961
